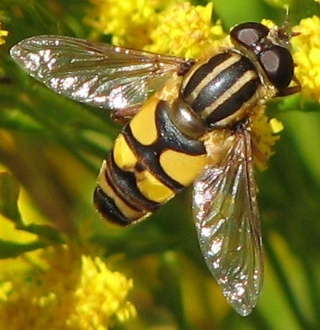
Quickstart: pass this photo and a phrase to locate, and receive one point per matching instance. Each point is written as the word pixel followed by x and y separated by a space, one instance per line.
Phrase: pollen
pixel 306 46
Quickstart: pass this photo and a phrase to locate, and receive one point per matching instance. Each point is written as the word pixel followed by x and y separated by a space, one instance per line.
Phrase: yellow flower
pixel 65 290
pixel 307 56
pixel 165 27
pixel 129 21
pixel 263 136
pixel 268 23
pixel 185 30
pixel 3 33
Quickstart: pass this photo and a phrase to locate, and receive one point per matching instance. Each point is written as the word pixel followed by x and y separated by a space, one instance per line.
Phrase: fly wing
pixel 95 73
pixel 227 221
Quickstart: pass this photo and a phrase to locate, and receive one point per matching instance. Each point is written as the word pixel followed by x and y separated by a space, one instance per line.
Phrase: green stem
pixel 313 287
pixel 286 287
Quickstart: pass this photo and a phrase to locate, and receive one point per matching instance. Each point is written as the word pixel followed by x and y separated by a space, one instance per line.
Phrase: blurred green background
pixel 55 146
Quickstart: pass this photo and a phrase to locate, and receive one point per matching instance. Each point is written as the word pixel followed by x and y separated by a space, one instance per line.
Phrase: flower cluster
pixel 264 136
pixel 170 27
pixel 306 46
pixel 185 30
pixel 65 290
pixel 129 22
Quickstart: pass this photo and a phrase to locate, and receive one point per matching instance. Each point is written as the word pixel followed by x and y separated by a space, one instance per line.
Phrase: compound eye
pixel 278 65
pixel 249 34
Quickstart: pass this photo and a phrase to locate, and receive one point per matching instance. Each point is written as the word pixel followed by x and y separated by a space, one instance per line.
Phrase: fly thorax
pixel 186 120
pixel 222 88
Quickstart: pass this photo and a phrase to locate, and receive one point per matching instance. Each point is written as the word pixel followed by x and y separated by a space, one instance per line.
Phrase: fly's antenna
pixel 282 35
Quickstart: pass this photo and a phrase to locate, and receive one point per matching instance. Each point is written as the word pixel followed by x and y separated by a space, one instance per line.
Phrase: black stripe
pixel 106 206
pixel 201 72
pixel 234 103
pixel 169 137
pixel 148 159
pixel 221 83
pixel 125 185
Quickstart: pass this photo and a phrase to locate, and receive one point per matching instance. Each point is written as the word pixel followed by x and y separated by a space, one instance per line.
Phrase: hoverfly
pixel 185 121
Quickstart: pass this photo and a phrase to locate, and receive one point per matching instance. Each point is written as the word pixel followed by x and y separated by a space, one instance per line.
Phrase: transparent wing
pixel 227 221
pixel 95 73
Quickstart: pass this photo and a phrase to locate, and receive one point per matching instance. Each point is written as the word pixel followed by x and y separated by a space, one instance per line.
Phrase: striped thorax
pixel 222 88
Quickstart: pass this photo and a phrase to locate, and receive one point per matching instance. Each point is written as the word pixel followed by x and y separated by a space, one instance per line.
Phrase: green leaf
pixel 170 290
pixel 45 232
pixel 9 193
pixel 9 249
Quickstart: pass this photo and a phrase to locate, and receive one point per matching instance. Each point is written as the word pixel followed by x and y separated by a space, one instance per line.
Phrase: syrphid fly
pixel 186 121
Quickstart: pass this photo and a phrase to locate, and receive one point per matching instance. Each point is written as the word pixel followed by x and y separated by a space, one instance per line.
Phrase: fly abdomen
pixel 221 88
pixel 150 162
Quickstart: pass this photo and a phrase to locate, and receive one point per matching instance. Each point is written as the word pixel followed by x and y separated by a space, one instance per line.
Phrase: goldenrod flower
pixel 129 21
pixel 268 23
pixel 307 56
pixel 3 33
pixel 185 30
pixel 165 27
pixel 263 136
pixel 65 291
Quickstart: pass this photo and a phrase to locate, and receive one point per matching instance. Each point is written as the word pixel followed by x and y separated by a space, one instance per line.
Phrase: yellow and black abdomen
pixel 151 161
pixel 161 150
